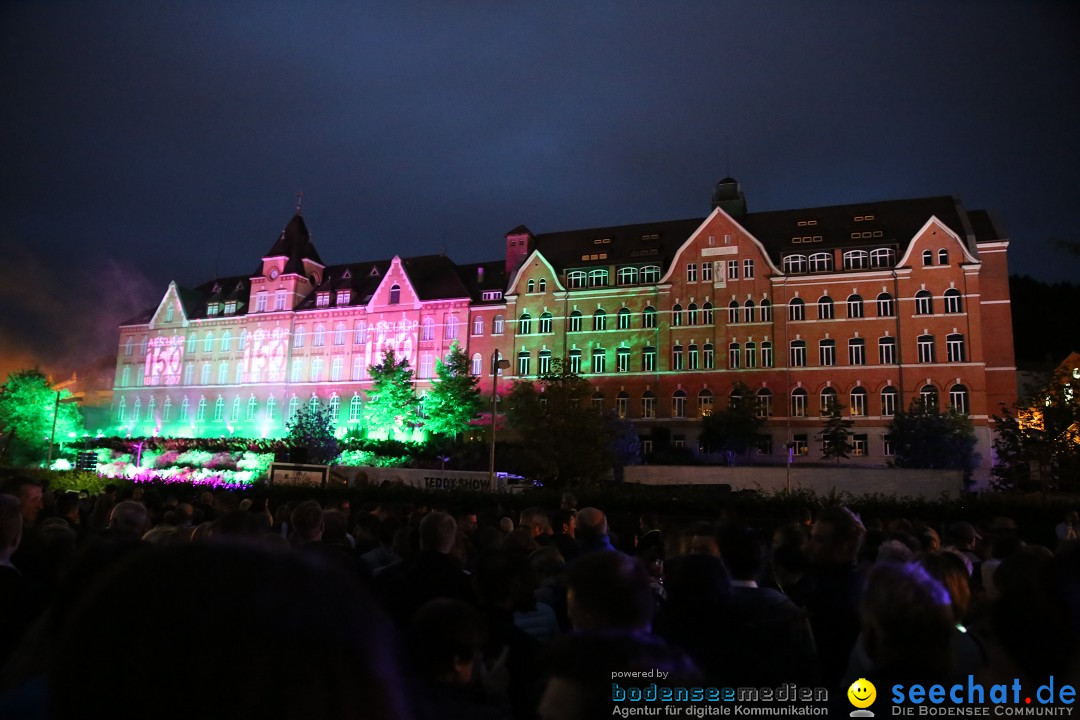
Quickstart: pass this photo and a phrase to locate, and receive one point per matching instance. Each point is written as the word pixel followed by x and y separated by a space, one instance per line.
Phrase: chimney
pixel 480 274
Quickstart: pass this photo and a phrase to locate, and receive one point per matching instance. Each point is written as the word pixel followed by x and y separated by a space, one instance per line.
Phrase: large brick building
pixel 870 304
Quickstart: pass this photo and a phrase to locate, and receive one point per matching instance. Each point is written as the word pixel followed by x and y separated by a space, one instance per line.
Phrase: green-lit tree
pixel 454 399
pixel 732 431
pixel 28 404
pixel 836 438
pixel 925 437
pixel 391 408
pixel 310 433
pixel 563 438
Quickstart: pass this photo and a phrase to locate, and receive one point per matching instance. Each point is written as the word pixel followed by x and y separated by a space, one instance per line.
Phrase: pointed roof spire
pixel 300 202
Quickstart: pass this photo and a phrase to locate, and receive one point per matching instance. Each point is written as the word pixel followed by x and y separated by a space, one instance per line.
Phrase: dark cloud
pixel 172 137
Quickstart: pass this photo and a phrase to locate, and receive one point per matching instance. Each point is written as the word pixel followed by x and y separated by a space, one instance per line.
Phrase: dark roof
pixel 629 244
pixel 295 244
pixel 194 300
pixel 493 277
pixel 985 226
pixel 434 277
pixel 897 221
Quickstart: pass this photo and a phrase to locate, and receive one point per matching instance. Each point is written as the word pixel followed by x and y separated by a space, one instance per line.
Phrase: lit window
pixel 858 401
pixel 798 402
pixel 524 324
pixel 648 405
pixel 497 325
pixel 599 320
pixel 705 402
pixel 648 317
pixel 764 403
pixel 622 404
pixel 575 322
pixel 322 299
pixel 828 400
pixel 395 294
pixel 678 404
pixel 545 322
pixel 599 360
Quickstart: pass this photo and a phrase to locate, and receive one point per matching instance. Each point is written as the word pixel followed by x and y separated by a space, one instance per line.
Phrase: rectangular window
pixel 766 354
pixel 827 353
pixel 648 407
pixel 748 269
pixel 622 405
pixel 706 271
pixel 858 404
pixel 523 364
pixel 279 300
pixel 297 371
pixel 322 299
pixel 800 445
pixel 677 357
pixel 599 360
pixel 856 352
pixel 691 272
pixel 575 362
pixel 858 445
pixel 709 357
pixel 798 354
pixel 886 446
pixel 427 362
pixel 678 441
pixel 733 270
pixel 316 370
pixel 648 359
pixel 358 368
pixel 544 362
pixel 622 360
pixel 750 355
pixel 734 354
pixel 887 351
pixel 954 347
pixel 888 404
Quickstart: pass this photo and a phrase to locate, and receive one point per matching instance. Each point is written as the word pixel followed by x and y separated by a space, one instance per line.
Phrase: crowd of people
pixel 142 601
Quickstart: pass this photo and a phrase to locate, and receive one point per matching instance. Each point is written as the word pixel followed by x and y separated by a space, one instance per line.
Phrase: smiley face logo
pixel 862 693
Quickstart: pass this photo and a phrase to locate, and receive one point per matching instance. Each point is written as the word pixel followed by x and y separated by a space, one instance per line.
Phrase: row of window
pixel 240 410
pixel 955 351
pixel 886 306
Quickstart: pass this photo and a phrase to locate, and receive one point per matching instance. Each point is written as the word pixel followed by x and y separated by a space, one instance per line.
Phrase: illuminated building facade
pixel 868 305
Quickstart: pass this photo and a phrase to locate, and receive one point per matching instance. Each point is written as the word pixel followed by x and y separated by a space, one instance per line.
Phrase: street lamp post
pixel 497 364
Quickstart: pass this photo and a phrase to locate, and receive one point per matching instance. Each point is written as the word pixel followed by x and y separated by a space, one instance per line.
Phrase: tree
pixel 311 431
pixel 390 410
pixel 27 407
pixel 836 438
pixel 925 437
pixel 733 430
pixel 1039 445
pixel 562 437
pixel 454 399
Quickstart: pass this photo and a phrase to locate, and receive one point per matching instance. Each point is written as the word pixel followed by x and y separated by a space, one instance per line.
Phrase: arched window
pixel 427 329
pixel 524 324
pixel 121 410
pixel 854 306
pixel 541 285
pixel 748 311
pixel 497 324
pixel 929 395
pixel 707 314
pixel 766 311
pixel 650 274
pixel 395 294
pixel 924 302
pixel 575 361
pixel 708 356
pixel 318 338
pixel 648 317
pixel 889 397
pixel 734 355
pixel 796 309
pixel 622 404
pixel 598 278
pixel 575 279
pixel 575 322
pixel 927 257
pixel 627 276
pixel 298 337
pixel 856 260
pixel 271 408
pixel 477 364
pixel 882 258
pixel 531 287
pixel 339 334
pixel 821 262
pixel 235 415
pixel 356 406
pixel 208 342
pixel 764 403
pixel 252 407
pixel 826 352
pixel 705 402
pixel 184 406
pixel 953 301
pixel 692 357
pixel 858 401
pixel 545 322
pixel 958 397
pixel 828 400
pixel 943 256
pixel 219 409
pixel 226 341
pixel 648 404
pixel 192 341
pixel 692 314
pixel 136 410
pixel 825 308
pixel 676 315
pixel 624 318
pixel 451 328
pixel 733 312
pixel 599 320
pixel 798 402
pixel 794 264
pixel 886 307
pixel 243 340
pixel 678 404
pixel 598 401
pixel 294 405
pixel 478 325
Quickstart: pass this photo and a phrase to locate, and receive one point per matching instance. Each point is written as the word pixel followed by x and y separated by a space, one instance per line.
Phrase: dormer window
pixel 169 310
pixel 395 294
pixel 212 309
pixel 343 297
pixel 491 295
pixel 230 307
pixel 322 299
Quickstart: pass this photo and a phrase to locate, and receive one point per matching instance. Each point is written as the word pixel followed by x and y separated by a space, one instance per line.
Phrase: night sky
pixel 143 142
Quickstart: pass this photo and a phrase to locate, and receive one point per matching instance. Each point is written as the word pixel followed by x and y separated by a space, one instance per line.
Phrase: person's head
pixel 536 520
pixel 648 522
pixel 129 519
pixel 308 522
pixel 591 524
pixel 565 521
pixel 609 591
pixel 287 608
pixel 742 552
pixel 11 525
pixel 568 502
pixel 67 507
pixel 438 532
pixel 700 539
pixel 949 570
pixel 907 620
pixel 467 523
pixel 335 527
pixel 444 640
pixel 962 536
pixel 836 537
pixel 30 495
